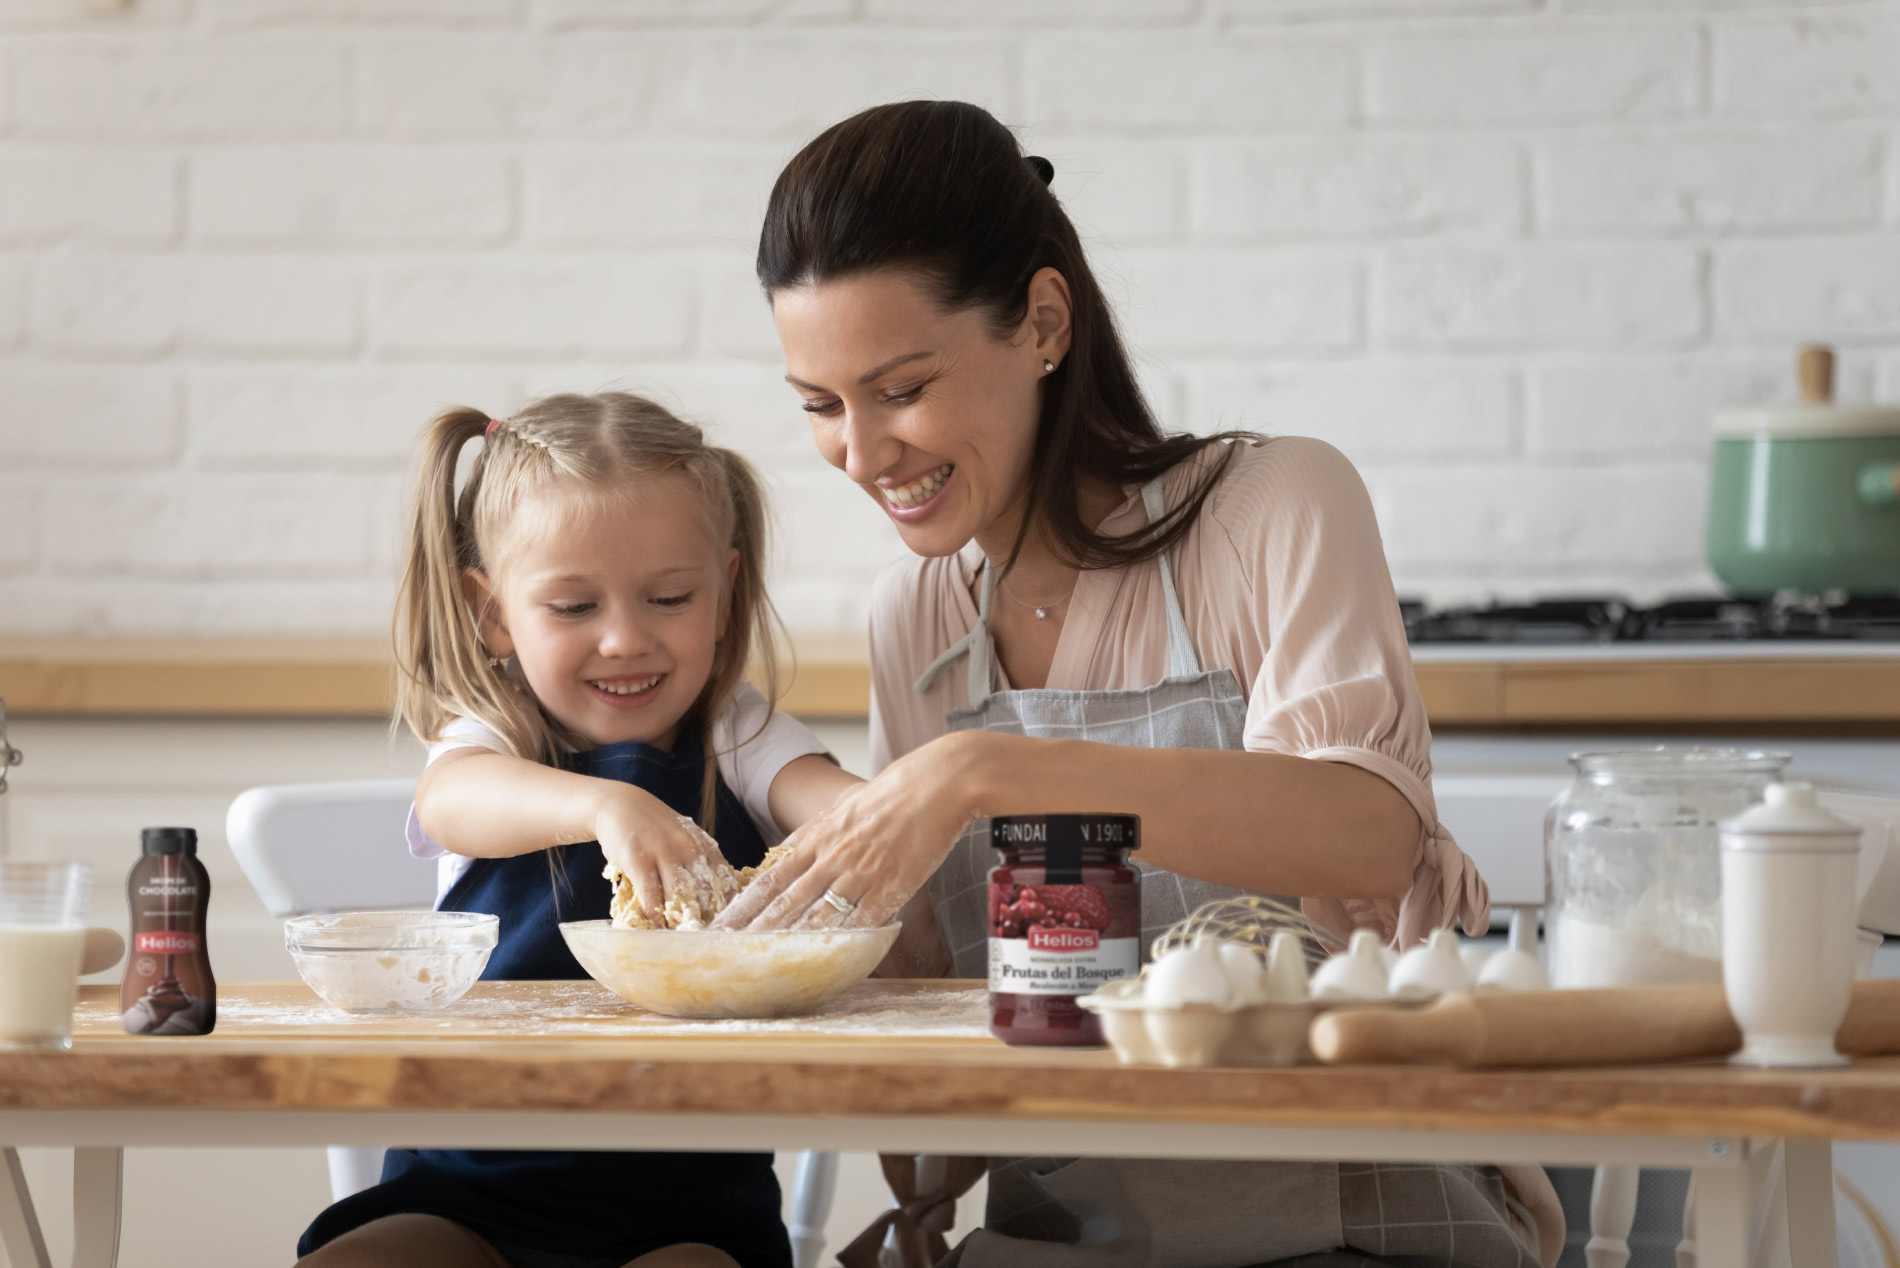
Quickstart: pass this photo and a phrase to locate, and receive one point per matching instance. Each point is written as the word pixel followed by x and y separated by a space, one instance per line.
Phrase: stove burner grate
pixel 1710 619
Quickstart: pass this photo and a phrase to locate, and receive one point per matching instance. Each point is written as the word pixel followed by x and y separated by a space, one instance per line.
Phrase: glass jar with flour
pixel 1633 860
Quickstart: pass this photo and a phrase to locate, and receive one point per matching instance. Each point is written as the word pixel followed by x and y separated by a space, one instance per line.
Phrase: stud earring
pixel 1048 367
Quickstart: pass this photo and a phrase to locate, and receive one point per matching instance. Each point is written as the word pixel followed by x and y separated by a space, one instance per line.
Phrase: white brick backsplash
pixel 208 526
pixel 831 531
pixel 251 87
pixel 1716 184
pixel 1244 301
pixel 289 417
pixel 1847 288
pixel 1094 13
pixel 1277 10
pixel 1826 67
pixel 535 308
pixel 89 417
pixel 738 320
pixel 1574 75
pixel 196 607
pixel 791 86
pixel 1126 192
pixel 19 527
pixel 1508 254
pixel 1626 407
pixel 564 14
pixel 240 14
pixel 107 304
pixel 1530 296
pixel 1384 187
pixel 72 15
pixel 13 292
pixel 1148 81
pixel 1375 413
pixel 286 307
pixel 457 86
pixel 1497 519
pixel 398 196
pixel 121 196
pixel 648 194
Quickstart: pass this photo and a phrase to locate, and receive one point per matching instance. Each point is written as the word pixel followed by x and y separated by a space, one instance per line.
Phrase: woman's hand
pixel 876 847
pixel 649 841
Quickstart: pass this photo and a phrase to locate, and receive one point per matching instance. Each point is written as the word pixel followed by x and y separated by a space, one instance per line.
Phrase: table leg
pixel 1612 1212
pixel 19 1223
pixel 1810 1172
pixel 1721 1215
pixel 98 1186
pixel 1685 1249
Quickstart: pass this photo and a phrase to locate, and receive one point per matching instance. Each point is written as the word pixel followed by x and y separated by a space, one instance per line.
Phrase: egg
pixel 1246 980
pixel 1357 973
pixel 1286 981
pixel 1513 971
pixel 1433 969
pixel 1188 976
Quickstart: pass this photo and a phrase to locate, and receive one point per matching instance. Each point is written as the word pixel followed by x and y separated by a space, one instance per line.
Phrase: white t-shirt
pixel 748 767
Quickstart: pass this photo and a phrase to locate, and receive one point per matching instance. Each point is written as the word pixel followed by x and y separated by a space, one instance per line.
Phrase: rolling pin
pixel 1637 1026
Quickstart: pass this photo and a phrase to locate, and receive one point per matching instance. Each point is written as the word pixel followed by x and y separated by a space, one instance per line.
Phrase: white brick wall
pixel 1508 254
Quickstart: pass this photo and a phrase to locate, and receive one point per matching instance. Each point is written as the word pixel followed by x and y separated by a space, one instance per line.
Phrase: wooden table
pixel 893 1066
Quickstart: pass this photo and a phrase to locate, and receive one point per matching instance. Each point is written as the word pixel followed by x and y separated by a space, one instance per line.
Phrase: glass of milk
pixel 42 937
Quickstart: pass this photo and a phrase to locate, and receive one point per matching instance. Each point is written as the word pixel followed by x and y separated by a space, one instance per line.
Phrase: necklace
pixel 1041 610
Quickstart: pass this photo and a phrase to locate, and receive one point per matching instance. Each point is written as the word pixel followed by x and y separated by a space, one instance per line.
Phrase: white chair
pixel 339 846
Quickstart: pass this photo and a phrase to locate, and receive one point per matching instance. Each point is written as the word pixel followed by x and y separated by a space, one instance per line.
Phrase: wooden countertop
pixel 914 1049
pixel 1836 692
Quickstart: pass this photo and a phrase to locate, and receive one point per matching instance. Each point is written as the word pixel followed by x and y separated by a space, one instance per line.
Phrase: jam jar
pixel 1065 918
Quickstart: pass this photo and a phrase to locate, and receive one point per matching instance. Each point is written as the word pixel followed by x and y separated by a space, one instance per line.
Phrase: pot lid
pixel 1790 818
pixel 1807 421
pixel 1816 415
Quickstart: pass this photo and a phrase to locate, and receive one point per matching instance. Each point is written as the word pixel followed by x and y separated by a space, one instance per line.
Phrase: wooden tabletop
pixel 916 1049
pixel 1847 694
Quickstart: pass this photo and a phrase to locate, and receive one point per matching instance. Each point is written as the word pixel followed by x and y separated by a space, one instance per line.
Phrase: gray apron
pixel 1155 1213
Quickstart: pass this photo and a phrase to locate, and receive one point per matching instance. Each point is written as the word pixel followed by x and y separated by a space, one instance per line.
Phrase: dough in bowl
pixel 713 886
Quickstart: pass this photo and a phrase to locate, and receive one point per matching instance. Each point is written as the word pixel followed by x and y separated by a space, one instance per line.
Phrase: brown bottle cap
pixel 168 840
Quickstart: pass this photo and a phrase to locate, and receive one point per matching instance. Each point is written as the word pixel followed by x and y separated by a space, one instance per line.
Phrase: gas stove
pixel 1586 622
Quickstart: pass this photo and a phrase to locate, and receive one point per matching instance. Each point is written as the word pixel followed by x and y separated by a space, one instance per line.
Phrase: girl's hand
pixel 876 847
pixel 645 838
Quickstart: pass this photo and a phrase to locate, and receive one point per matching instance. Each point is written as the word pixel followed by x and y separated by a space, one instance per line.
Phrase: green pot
pixel 1807 498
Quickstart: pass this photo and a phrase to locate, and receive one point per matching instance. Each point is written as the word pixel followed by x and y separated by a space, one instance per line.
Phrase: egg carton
pixel 1213 1002
pixel 1142 1032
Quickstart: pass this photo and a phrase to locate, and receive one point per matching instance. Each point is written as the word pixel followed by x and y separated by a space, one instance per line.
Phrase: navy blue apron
pixel 591 1205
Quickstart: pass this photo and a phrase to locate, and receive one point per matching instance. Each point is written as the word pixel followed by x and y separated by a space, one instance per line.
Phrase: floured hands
pixel 660 853
pixel 877 846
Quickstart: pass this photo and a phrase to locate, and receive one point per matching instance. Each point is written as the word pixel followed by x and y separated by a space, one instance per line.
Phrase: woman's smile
pixel 913 500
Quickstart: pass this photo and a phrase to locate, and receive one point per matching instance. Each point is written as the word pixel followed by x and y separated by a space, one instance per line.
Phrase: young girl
pixel 572 631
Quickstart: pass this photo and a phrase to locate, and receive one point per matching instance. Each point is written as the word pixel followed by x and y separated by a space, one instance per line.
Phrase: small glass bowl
pixel 391 961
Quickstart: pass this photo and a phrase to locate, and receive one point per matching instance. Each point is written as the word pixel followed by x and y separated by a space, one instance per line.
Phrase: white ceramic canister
pixel 1788 935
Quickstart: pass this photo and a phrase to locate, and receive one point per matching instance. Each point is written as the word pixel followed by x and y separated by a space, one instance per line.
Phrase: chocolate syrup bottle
pixel 168 988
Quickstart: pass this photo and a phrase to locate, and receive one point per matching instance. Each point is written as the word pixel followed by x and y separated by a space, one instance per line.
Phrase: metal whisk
pixel 1250 920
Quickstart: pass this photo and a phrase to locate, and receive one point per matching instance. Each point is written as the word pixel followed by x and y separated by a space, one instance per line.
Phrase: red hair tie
pixel 490 429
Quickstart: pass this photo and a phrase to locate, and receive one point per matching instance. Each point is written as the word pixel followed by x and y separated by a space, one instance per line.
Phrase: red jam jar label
pixel 1062 939
pixel 1064 920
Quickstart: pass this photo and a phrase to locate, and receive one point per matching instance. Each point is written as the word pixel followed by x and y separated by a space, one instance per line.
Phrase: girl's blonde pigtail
pixel 442 667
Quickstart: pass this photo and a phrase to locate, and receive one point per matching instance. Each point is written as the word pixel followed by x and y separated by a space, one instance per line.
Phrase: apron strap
pixel 977 645
pixel 1183 662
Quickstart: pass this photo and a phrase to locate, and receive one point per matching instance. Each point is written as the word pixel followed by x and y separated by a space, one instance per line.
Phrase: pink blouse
pixel 1283 581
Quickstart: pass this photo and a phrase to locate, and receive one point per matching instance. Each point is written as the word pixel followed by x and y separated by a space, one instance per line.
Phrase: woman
pixel 1100 616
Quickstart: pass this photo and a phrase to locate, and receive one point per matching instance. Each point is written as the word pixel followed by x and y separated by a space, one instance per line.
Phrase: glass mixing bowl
pixel 391 961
